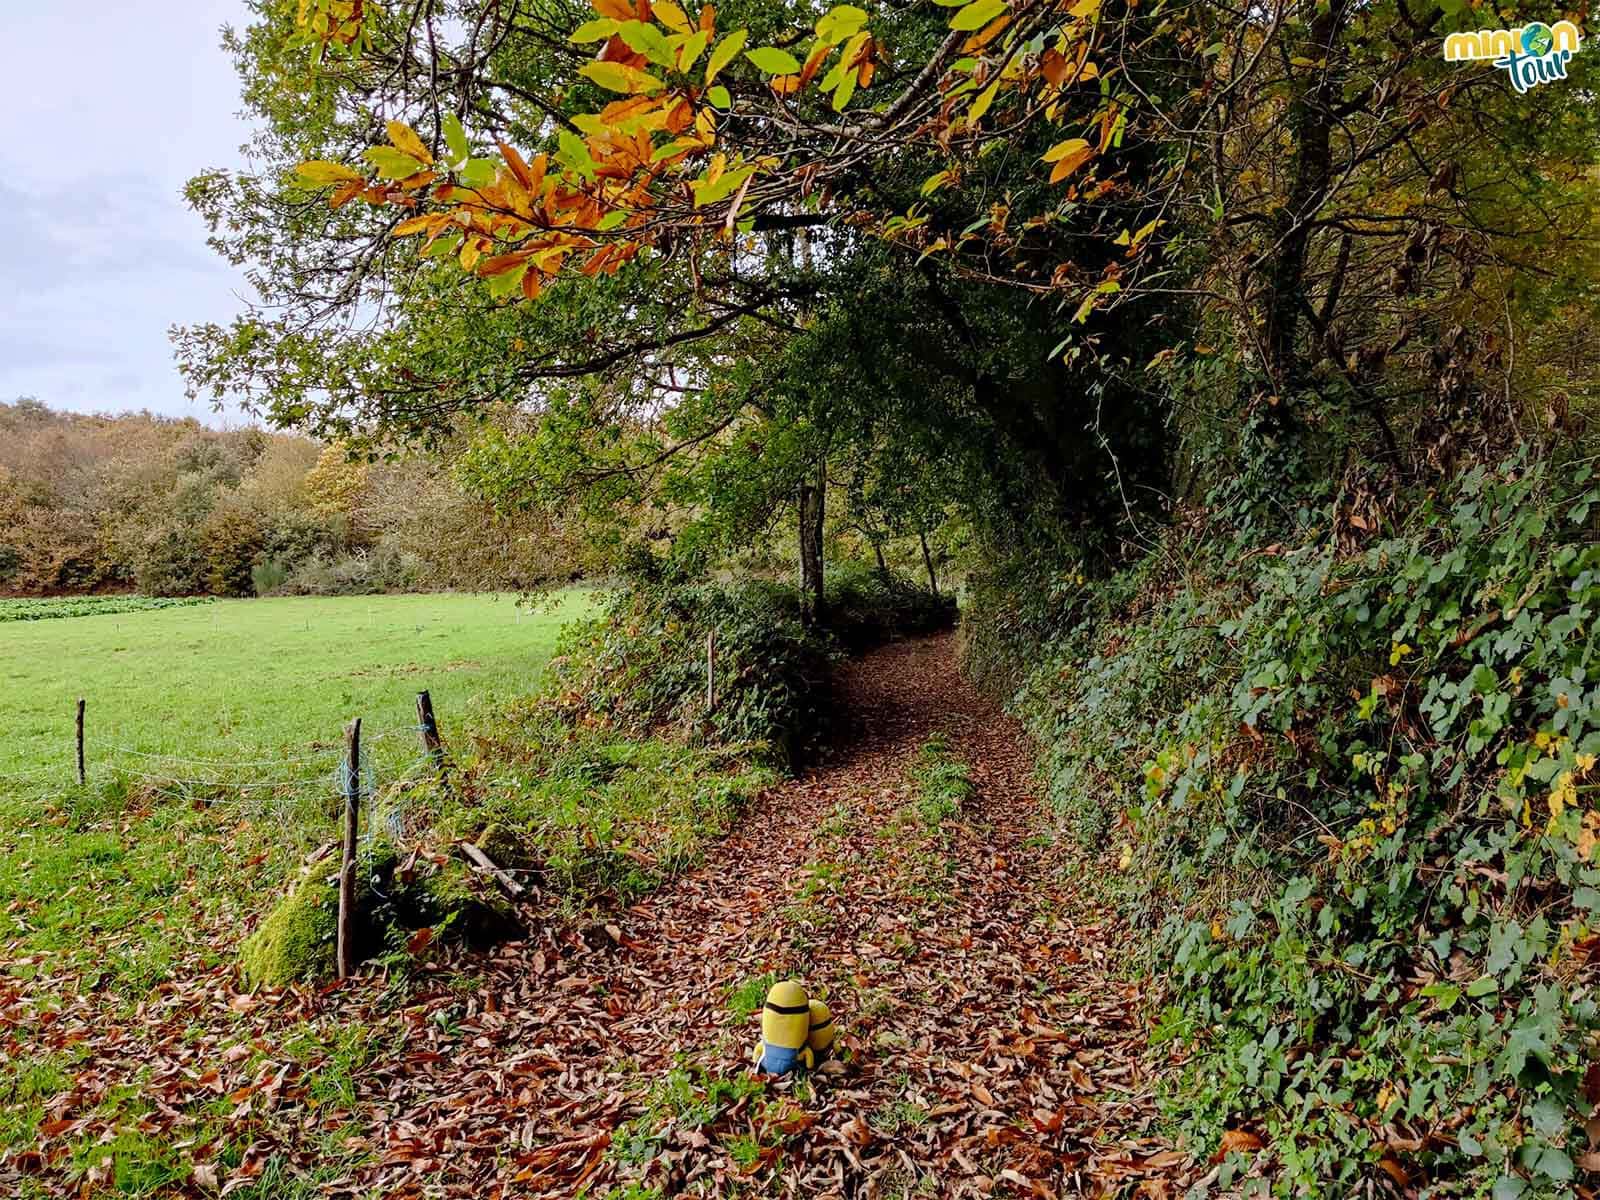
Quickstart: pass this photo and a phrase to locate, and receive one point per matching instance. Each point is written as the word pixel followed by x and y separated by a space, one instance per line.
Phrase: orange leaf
pixel 1241 1140
pixel 518 165
pixel 621 10
pixel 501 264
pixel 1070 162
pixel 414 225
pixel 532 284
pixel 418 941
pixel 1395 1171
pixel 708 18
pixel 986 35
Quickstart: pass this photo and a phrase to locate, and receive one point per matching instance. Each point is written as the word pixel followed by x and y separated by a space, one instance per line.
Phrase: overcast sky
pixel 109 107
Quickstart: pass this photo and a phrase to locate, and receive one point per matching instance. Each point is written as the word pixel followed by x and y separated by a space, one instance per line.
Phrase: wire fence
pixel 292 786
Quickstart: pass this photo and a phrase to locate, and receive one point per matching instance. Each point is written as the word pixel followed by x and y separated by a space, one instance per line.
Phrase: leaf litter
pixel 989 1044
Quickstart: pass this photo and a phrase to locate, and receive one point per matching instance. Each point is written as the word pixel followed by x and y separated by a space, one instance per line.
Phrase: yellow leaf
pixel 415 225
pixel 324 173
pixel 1084 8
pixel 670 15
pixel 982 103
pixel 405 139
pixel 1061 149
pixel 615 77
pixel 1070 162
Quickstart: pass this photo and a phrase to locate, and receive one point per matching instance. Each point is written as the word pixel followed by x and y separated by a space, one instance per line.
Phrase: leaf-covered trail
pixel 989 1051
pixel 988 1054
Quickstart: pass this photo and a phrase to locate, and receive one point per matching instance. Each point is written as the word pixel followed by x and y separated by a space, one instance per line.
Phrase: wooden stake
pixel 711 671
pixel 428 730
pixel 81 775
pixel 347 869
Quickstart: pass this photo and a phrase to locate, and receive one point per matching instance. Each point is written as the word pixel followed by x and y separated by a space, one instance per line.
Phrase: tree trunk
pixel 927 561
pixel 812 498
pixel 877 548
pixel 1311 122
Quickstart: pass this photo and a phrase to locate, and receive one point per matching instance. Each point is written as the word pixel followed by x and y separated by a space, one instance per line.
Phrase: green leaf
pixel 455 137
pixel 719 98
pixel 689 47
pixel 611 220
pixel 977 14
pixel 478 173
pixel 445 247
pixel 597 30
pixel 575 153
pixel 727 185
pixel 501 286
pixel 724 54
pixel 649 41
pixel 841 22
pixel 391 163
pixel 772 61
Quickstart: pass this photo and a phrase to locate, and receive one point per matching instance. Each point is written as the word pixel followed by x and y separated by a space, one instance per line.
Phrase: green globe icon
pixel 1537 39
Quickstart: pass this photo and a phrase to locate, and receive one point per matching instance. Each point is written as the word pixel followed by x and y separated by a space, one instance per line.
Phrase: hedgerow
pixel 1351 794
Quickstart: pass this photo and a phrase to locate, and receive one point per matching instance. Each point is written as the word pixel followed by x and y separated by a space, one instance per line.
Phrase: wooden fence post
pixel 711 671
pixel 347 867
pixel 82 777
pixel 428 730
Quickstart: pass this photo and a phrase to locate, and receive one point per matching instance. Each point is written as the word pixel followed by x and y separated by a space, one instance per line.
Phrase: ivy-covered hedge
pixel 1351 793
pixel 642 664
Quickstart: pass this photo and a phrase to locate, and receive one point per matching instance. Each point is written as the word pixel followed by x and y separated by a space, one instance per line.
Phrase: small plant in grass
pixel 746 999
pixel 942 783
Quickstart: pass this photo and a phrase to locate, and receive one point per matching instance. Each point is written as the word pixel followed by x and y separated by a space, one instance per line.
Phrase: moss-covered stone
pixel 505 847
pixel 296 940
pixel 468 908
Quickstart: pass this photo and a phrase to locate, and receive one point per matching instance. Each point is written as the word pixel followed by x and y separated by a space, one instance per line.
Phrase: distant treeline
pixel 171 508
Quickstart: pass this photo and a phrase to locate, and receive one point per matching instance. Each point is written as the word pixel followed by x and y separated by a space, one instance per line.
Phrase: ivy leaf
pixel 725 52
pixel 772 61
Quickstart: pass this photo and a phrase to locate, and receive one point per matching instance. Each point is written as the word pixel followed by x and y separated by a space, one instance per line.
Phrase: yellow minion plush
pixel 820 1041
pixel 785 1030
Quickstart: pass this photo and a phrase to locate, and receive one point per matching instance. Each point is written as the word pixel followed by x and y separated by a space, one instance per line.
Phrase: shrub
pixel 867 606
pixel 1357 794
pixel 268 577
pixel 643 665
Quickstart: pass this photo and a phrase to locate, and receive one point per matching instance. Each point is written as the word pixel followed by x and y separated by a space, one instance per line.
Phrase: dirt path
pixel 987 1051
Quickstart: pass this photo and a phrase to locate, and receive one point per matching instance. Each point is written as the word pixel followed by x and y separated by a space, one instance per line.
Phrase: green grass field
pixel 247 689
